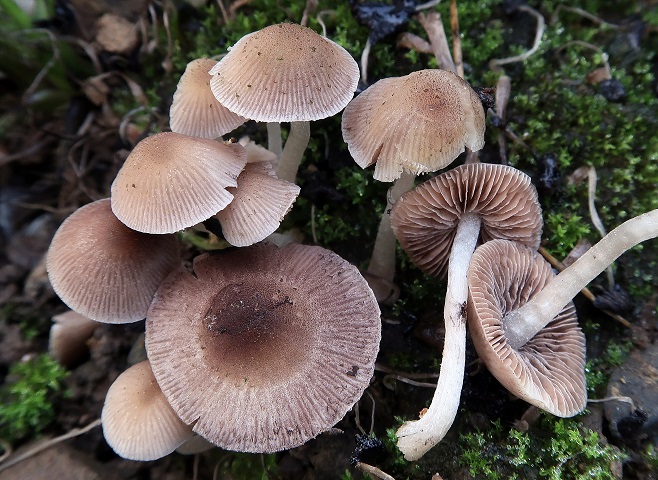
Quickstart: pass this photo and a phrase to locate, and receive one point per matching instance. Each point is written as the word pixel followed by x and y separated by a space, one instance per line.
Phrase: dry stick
pixel 587 293
pixel 456 39
pixel 236 5
pixel 310 5
pixel 414 42
pixel 582 13
pixel 387 378
pixel 503 90
pixel 541 26
pixel 47 444
pixel 222 8
pixel 320 20
pixel 433 26
pixel 418 376
pixel 373 471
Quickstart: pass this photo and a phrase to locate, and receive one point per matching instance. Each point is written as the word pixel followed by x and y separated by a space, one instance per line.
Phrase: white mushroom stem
pixel 274 143
pixel 415 438
pixel 291 157
pixel 523 323
pixel 382 260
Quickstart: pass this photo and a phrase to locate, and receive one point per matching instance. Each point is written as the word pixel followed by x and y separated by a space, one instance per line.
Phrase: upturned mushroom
pixel 286 73
pixel 104 270
pixel 406 126
pixel 523 323
pixel 263 348
pixel 439 224
pixel 549 370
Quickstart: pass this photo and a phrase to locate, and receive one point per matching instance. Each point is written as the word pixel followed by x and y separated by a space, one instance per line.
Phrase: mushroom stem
pixel 274 144
pixel 291 157
pixel 415 438
pixel 524 323
pixel 382 260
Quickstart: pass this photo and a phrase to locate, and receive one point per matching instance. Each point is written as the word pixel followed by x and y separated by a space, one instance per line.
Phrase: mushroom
pixel 172 181
pixel 69 333
pixel 263 348
pixel 523 323
pixel 260 202
pixel 194 110
pixel 406 126
pixel 439 224
pixel 138 423
pixel 104 270
pixel 549 370
pixel 286 73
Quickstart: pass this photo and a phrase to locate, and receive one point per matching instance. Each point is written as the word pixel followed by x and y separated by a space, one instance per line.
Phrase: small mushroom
pixel 69 333
pixel 138 423
pixel 405 126
pixel 263 348
pixel 439 224
pixel 171 181
pixel 194 110
pixel 549 370
pixel 104 270
pixel 286 73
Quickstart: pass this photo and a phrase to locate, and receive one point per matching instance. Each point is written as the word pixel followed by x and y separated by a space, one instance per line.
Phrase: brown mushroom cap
pixel 285 73
pixel 420 123
pixel 171 181
pixel 549 370
pixel 104 270
pixel 138 423
pixel 260 203
pixel 264 347
pixel 69 333
pixel 195 111
pixel 425 219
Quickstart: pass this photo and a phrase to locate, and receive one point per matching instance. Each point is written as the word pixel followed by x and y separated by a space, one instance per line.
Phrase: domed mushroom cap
pixel 171 181
pixel 285 73
pixel 104 270
pixel 138 423
pixel 194 110
pixel 549 370
pixel 419 123
pixel 425 219
pixel 260 203
pixel 264 347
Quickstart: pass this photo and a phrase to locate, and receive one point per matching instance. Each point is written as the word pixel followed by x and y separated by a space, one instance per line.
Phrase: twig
pixel 47 444
pixel 433 25
pixel 414 42
pixel 222 9
pixel 456 39
pixel 373 471
pixel 503 90
pixel 388 384
pixel 417 376
pixel 582 13
pixel 320 20
pixel 541 25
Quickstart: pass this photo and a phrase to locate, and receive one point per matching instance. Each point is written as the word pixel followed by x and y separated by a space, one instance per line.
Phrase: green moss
pixel 598 369
pixel 562 449
pixel 26 397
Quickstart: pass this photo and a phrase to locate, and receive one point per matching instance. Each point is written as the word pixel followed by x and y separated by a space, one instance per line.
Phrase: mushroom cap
pixel 260 203
pixel 425 219
pixel 104 270
pixel 419 123
pixel 138 423
pixel 69 333
pixel 194 110
pixel 549 370
pixel 285 73
pixel 263 348
pixel 172 181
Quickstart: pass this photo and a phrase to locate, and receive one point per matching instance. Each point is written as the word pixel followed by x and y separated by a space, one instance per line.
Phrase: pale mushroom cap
pixel 285 73
pixel 138 423
pixel 419 123
pixel 260 203
pixel 69 333
pixel 549 370
pixel 264 347
pixel 104 270
pixel 257 153
pixel 195 111
pixel 425 219
pixel 171 181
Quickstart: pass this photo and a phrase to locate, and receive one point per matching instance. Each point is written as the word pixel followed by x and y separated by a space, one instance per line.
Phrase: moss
pixel 598 370
pixel 562 449
pixel 26 397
